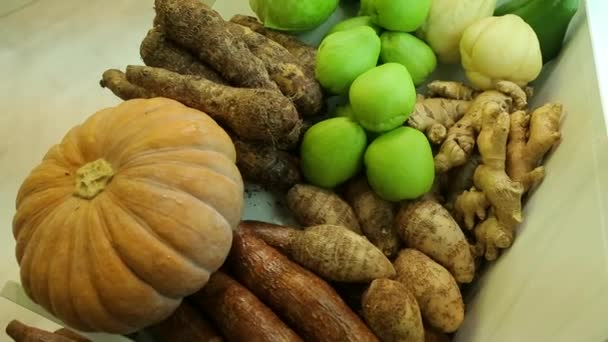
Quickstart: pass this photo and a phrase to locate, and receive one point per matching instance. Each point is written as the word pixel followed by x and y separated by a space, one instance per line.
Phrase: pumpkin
pixel 131 212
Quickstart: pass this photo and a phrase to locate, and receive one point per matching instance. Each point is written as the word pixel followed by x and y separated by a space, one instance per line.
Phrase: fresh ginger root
pixel 531 137
pixel 469 206
pixel 434 116
pixel 519 95
pixel 460 141
pixel 503 194
pixel 450 90
pixel 492 236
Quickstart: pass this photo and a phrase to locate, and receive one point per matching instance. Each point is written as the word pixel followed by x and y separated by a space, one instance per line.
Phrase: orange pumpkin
pixel 130 213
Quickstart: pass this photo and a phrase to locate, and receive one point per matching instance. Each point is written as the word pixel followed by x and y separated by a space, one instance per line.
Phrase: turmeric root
pixel 530 138
pixel 252 114
pixel 460 141
pixel 305 55
pixel 450 90
pixel 20 332
pixel 158 51
pixel 314 206
pixel 195 26
pixel 434 116
pixel 117 82
pixel 376 216
pixel 333 252
pixel 283 69
pixel 266 165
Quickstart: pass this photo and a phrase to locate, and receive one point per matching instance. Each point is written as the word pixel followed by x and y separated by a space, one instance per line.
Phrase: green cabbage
pixel 293 15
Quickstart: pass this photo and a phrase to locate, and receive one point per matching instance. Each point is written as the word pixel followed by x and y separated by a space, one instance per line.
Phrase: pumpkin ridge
pixel 146 227
pixel 96 210
pixel 48 207
pixel 190 165
pixel 27 188
pixel 91 266
pixel 131 138
pixel 152 181
pixel 69 222
pixel 120 256
pixel 129 164
pixel 40 267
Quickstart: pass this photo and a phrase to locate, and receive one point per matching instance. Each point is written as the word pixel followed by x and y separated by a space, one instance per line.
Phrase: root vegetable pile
pixel 359 267
pixel 255 82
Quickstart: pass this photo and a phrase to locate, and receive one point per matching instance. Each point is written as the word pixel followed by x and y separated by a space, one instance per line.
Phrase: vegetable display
pixel 401 186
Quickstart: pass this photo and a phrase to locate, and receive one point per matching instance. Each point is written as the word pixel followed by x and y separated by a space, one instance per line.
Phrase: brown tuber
pixel 252 114
pixel 435 289
pixel 184 325
pixel 283 69
pixel 156 50
pixel 200 29
pixel 450 90
pixel 301 298
pixel 313 206
pixel 333 252
pixel 239 314
pixel 267 165
pixel 116 81
pixel 392 312
pixel 376 216
pixel 305 55
pixel 20 332
pixel 428 227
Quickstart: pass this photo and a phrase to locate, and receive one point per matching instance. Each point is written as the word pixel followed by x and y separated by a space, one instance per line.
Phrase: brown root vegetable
pixel 392 312
pixel 435 289
pixel 267 165
pixel 376 216
pixel 333 252
pixel 283 69
pixel 302 299
pixel 195 26
pixel 530 138
pixel 305 54
pixel 313 206
pixel 428 227
pixel 431 335
pixel 450 90
pixel 184 325
pixel 503 194
pixel 76 337
pixel 252 114
pixel 156 50
pixel 460 180
pixel 459 143
pixel 239 314
pixel 434 116
pixel 117 82
pixel 20 332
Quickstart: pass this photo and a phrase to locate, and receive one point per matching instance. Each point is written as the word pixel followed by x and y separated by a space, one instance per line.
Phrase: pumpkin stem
pixel 92 178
